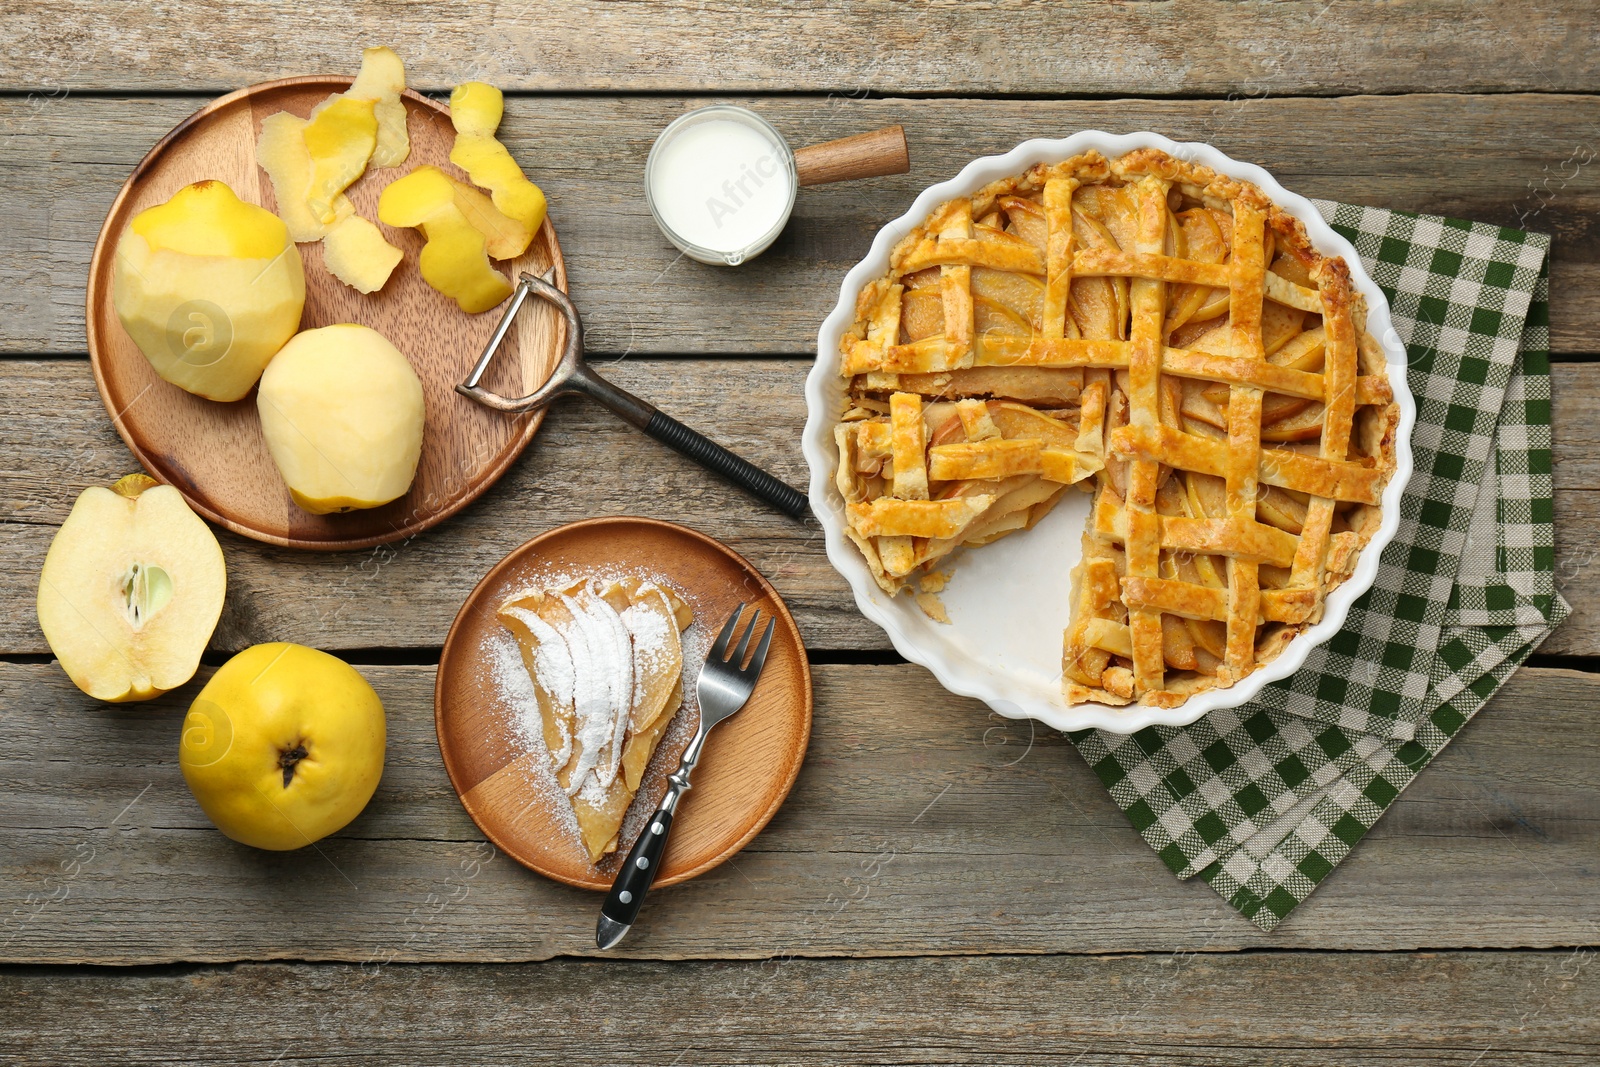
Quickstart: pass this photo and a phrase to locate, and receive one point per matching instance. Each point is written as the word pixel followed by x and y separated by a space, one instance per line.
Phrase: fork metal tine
pixel 737 659
pixel 719 650
pixel 759 660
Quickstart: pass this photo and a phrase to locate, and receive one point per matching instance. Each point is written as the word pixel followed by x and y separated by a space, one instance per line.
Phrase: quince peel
pixel 382 79
pixel 504 236
pixel 476 110
pixel 358 255
pixel 455 260
pixel 313 161
pixel 281 151
pixel 340 137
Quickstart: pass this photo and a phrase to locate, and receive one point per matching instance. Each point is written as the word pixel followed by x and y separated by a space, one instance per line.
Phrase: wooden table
pixel 942 887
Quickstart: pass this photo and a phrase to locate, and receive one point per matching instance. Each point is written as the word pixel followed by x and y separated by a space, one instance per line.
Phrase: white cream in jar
pixel 721 183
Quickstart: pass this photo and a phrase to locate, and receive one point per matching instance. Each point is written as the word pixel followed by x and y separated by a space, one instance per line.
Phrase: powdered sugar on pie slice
pixel 609 654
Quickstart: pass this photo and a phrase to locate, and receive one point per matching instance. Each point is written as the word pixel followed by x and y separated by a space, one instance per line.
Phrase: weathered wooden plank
pixel 1509 159
pixel 920 825
pixel 1191 47
pixel 583 463
pixel 1320 1009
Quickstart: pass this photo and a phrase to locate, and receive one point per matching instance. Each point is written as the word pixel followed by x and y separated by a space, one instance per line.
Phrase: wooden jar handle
pixel 865 155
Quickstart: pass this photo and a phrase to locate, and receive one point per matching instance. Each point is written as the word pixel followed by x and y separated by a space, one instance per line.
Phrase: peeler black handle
pixel 744 474
pixel 574 375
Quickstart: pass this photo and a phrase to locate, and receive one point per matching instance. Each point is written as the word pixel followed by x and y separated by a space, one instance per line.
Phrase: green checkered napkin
pixel 1263 800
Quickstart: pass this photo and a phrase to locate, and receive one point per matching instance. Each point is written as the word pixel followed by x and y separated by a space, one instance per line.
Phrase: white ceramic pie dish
pixel 1008 604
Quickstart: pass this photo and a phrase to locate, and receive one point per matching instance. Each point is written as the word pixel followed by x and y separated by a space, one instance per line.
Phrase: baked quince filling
pixel 606 659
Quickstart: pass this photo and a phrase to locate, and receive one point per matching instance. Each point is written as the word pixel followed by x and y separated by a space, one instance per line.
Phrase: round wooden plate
pixel 750 761
pixel 215 453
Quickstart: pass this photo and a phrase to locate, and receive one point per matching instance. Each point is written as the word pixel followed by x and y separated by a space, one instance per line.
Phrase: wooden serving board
pixel 749 763
pixel 214 453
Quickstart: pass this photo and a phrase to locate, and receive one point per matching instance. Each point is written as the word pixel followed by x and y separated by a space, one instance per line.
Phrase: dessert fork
pixel 724 687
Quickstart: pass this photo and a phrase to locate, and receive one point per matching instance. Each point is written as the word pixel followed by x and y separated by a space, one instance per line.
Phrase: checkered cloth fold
pixel 1263 800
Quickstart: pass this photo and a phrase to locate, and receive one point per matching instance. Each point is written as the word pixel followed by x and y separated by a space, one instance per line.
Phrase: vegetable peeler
pixel 574 375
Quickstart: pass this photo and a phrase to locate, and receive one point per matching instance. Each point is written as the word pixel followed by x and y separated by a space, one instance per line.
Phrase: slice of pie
pixel 1155 333
pixel 606 659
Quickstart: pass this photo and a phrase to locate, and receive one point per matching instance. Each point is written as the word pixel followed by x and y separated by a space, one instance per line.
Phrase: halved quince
pixel 475 111
pixel 209 288
pixel 455 260
pixel 131 590
pixel 342 412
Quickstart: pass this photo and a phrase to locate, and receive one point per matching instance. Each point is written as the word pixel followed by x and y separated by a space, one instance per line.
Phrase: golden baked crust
pixel 1155 332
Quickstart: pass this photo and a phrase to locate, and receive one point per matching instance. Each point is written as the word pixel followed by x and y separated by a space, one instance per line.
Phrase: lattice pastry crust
pixel 1156 333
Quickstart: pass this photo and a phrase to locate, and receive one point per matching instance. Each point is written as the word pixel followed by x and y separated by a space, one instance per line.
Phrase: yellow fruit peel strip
pixel 382 79
pixel 455 259
pixel 475 111
pixel 358 254
pixel 504 237
pixel 281 151
pixel 339 138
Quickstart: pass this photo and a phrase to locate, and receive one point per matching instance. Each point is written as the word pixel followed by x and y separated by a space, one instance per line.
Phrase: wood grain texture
pixel 750 761
pixel 1189 47
pixel 216 454
pixel 920 824
pixel 584 463
pixel 1306 1009
pixel 1513 160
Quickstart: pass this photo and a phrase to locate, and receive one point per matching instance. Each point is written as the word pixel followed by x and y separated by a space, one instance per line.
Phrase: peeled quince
pixel 281 151
pixel 209 287
pixel 382 79
pixel 455 260
pixel 283 746
pixel 131 590
pixel 342 412
pixel 475 111
pixel 358 255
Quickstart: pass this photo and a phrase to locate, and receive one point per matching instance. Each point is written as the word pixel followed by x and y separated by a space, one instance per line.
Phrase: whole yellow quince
pixel 209 287
pixel 283 746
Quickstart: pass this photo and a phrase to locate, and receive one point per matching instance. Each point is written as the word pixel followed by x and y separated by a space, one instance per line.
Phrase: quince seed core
pixel 146 589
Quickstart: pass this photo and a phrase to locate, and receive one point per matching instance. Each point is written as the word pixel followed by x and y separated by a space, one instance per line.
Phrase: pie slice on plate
pixel 606 659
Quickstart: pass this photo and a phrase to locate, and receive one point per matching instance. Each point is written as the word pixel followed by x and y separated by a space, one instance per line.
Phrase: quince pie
pixel 1154 332
pixel 606 659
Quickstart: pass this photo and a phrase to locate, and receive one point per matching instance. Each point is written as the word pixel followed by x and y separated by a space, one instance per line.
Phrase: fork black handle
pixel 724 686
pixel 741 472
pixel 633 881
pixel 638 871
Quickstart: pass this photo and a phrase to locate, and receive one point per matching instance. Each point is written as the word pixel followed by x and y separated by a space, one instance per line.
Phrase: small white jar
pixel 721 183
